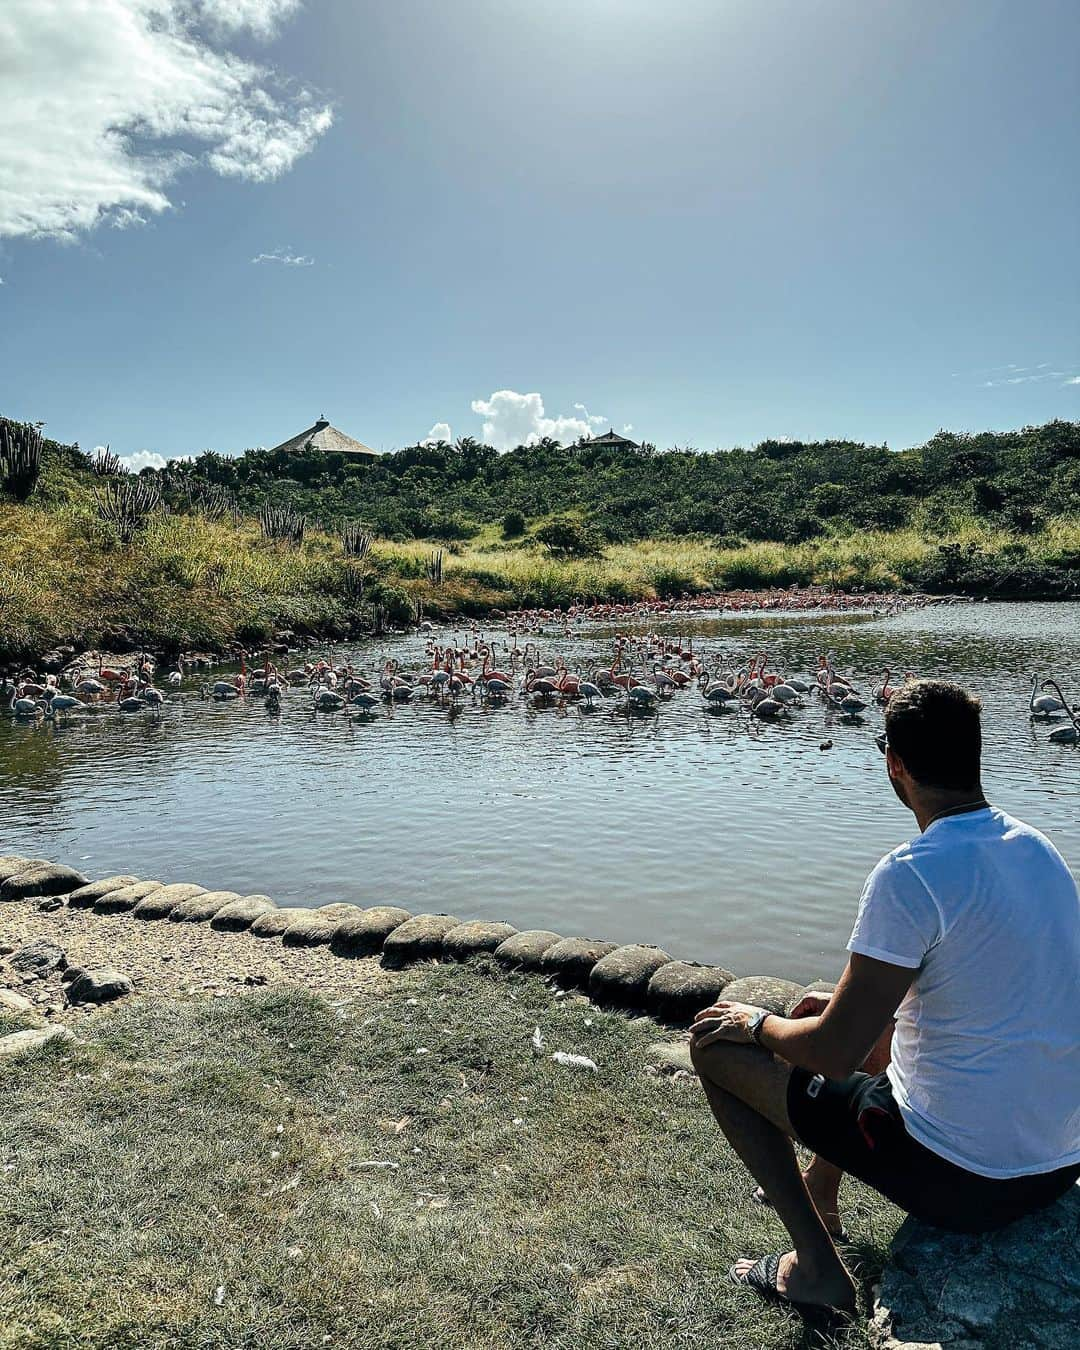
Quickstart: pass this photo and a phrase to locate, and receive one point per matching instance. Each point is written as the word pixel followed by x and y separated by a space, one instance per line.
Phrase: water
pixel 723 841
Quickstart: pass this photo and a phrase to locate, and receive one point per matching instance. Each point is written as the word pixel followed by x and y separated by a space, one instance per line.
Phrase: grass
pixel 191 582
pixel 194 1174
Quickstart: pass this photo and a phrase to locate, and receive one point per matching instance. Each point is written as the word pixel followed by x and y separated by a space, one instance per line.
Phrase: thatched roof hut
pixel 322 436
pixel 611 440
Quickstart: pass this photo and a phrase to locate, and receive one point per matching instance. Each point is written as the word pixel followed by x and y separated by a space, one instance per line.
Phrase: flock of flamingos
pixel 644 672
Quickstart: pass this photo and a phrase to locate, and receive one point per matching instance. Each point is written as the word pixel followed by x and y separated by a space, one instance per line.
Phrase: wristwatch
pixel 756 1024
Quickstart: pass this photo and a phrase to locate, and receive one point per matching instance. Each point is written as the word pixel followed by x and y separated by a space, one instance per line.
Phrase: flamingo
pixel 590 691
pixel 364 702
pixel 720 696
pixel 1067 735
pixel 641 698
pixel 763 705
pixel 884 691
pixel 26 707
pixel 62 703
pixel 327 700
pixel 1045 705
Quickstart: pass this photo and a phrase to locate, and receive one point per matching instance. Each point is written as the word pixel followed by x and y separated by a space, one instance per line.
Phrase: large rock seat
pixel 1017 1287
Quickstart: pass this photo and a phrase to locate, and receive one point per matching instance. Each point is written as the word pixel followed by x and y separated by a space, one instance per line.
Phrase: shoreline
pixel 152 923
pixel 60 658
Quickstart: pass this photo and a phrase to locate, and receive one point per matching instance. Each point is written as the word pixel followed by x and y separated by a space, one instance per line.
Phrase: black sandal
pixel 758 1196
pixel 762 1277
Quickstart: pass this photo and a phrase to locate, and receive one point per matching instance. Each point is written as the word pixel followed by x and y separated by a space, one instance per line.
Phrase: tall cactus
pixel 20 457
pixel 127 505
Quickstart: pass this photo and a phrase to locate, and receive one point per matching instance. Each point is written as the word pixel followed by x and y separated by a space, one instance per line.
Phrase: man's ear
pixel 894 763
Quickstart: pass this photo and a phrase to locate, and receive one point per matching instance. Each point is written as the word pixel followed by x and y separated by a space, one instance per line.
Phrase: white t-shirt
pixel 986 1054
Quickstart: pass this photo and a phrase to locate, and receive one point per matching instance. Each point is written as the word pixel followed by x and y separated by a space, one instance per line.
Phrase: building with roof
pixel 611 440
pixel 322 436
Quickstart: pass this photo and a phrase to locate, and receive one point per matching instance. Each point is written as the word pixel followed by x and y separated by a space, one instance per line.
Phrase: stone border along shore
pixel 635 977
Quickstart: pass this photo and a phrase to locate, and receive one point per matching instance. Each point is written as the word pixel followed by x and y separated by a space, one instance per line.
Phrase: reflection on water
pixel 744 844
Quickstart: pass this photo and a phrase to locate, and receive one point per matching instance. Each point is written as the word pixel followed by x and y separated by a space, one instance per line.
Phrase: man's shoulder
pixel 892 870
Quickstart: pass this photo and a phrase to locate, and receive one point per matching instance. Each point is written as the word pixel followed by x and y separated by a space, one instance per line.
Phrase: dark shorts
pixel 856 1124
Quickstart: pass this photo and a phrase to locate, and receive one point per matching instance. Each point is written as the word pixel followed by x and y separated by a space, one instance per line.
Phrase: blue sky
pixel 710 220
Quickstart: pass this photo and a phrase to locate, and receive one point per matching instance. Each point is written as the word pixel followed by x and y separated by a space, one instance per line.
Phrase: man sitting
pixel 969 937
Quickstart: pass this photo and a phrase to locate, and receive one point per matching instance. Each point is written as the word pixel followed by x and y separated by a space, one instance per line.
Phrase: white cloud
pixel 1026 375
pixel 512 419
pixel 107 101
pixel 143 459
pixel 282 255
pixel 592 421
pixel 260 17
pixel 439 432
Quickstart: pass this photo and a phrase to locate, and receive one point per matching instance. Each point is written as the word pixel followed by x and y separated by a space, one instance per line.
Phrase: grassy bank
pixel 197 1172
pixel 187 581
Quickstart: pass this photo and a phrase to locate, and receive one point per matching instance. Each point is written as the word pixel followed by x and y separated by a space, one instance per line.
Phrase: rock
pixel 679 990
pixel 764 991
pixel 470 939
pixel 88 896
pixel 1018 1285
pixel 525 950
pixel 20 1042
pixel 38 958
pixel 814 987
pixel 12 1002
pixel 127 897
pixel 11 864
pixel 274 922
pixel 202 907
pixel 44 878
pixel 311 928
pixel 100 985
pixel 672 1054
pixel 363 932
pixel 241 914
pixel 160 904
pixel 570 961
pixel 417 939
pixel 622 977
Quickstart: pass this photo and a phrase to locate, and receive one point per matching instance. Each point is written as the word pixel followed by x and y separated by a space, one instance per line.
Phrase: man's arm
pixel 833 1043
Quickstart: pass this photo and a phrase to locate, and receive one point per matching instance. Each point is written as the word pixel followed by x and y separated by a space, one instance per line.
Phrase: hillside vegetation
pixel 180 558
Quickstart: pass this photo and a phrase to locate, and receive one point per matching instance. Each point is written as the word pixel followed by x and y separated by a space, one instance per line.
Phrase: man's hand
pixel 723 1022
pixel 810 1005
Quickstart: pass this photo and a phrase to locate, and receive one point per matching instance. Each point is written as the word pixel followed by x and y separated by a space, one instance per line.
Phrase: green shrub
pixel 570 538
pixel 513 525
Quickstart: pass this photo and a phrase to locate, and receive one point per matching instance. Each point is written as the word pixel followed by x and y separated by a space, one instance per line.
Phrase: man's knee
pixel 719 1061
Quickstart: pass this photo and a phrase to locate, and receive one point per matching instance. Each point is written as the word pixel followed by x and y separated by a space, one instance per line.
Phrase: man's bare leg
pixel 747 1090
pixel 823 1178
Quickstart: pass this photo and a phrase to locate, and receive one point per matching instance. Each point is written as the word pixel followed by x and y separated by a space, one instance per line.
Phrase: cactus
pixel 282 522
pixel 20 457
pixel 355 540
pixel 105 464
pixel 354 583
pixel 434 567
pixel 127 505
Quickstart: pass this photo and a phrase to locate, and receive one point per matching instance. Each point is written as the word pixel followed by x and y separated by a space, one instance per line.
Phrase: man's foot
pixel 825 1202
pixel 783 1279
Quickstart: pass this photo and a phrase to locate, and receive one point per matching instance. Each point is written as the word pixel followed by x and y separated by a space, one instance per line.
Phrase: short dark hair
pixel 933 727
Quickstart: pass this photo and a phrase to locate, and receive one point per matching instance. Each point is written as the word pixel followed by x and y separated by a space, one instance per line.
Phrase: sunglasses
pixel 882 742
